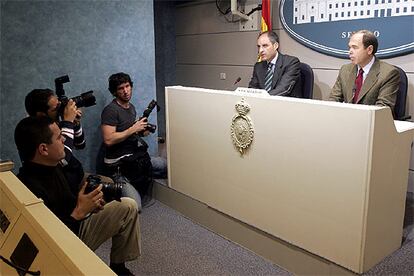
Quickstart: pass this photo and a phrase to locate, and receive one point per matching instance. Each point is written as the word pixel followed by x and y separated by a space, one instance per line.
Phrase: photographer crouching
pixel 44 102
pixel 125 151
pixel 41 147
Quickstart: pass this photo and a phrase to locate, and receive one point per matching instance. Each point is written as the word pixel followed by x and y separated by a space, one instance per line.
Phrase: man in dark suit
pixel 278 74
pixel 366 80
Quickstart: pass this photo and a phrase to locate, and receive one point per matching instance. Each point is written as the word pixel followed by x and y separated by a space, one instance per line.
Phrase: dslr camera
pixel 111 191
pixel 85 99
pixel 150 127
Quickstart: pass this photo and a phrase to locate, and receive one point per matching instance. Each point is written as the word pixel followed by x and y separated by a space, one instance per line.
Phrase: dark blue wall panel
pixel 88 40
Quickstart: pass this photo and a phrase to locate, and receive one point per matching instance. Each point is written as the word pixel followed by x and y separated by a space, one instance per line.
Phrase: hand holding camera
pixel 140 125
pixel 88 201
pixel 70 111
pixel 150 127
pixel 108 191
pixel 85 99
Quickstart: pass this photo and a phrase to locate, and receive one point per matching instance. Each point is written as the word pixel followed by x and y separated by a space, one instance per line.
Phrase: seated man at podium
pixel 278 74
pixel 366 80
pixel 41 146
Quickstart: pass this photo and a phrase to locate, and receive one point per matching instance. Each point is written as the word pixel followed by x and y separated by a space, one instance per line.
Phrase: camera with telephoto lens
pixel 111 191
pixel 85 99
pixel 150 127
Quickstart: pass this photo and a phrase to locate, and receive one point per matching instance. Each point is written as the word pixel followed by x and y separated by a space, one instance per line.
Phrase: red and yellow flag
pixel 266 22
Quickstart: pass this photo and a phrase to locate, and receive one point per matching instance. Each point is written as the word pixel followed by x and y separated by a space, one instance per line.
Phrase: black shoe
pixel 120 269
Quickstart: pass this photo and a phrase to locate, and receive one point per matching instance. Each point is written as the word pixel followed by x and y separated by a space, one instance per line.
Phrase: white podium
pixel 330 178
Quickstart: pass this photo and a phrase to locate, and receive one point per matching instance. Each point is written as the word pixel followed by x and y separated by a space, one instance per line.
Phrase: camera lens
pixel 111 191
pixel 85 99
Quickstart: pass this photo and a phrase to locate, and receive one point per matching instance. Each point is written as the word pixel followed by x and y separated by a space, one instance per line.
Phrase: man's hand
pixel 140 125
pixel 88 203
pixel 78 116
pixel 70 112
pixel 112 137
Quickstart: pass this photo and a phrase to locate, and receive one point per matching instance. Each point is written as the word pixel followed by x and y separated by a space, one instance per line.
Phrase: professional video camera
pixel 150 127
pixel 111 191
pixel 83 100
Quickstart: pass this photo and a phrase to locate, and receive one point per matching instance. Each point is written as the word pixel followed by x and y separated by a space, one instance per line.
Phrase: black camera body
pixel 111 191
pixel 150 127
pixel 85 99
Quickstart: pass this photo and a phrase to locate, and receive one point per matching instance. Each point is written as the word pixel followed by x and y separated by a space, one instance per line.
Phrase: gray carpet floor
pixel 174 245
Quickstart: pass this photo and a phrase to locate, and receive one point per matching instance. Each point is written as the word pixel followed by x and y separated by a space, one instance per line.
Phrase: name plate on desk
pixel 252 91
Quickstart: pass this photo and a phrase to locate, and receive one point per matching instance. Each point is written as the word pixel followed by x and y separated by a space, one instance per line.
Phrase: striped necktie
pixel 269 77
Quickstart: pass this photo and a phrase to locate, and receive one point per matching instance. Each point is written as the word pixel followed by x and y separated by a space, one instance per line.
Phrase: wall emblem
pixel 325 25
pixel 242 131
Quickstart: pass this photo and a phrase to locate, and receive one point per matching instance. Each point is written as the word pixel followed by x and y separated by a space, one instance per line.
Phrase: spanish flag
pixel 266 22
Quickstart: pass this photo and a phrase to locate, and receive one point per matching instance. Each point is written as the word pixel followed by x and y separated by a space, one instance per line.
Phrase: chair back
pixel 399 109
pixel 306 74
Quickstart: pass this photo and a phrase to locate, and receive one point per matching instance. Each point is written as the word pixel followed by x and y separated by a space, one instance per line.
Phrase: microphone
pixel 232 87
pixel 237 81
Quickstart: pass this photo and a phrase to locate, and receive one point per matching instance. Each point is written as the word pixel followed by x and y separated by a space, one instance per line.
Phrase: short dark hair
pixel 30 133
pixel 368 38
pixel 273 37
pixel 117 79
pixel 37 101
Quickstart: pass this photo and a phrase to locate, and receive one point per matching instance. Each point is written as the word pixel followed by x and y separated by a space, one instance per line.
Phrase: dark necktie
pixel 358 84
pixel 269 77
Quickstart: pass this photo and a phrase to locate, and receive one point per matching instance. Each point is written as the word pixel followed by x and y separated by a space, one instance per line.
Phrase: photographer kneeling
pixel 44 102
pixel 40 144
pixel 125 151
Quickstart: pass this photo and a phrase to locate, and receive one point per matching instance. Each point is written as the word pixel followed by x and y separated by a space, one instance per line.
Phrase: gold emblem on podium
pixel 241 127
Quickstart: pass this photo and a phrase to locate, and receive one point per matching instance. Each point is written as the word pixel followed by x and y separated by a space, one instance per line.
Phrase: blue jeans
pixel 159 167
pixel 129 191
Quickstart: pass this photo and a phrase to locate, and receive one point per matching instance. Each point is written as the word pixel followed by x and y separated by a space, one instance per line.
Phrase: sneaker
pixel 120 269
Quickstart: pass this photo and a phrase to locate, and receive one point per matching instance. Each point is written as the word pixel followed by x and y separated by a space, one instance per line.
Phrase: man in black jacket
pixel 41 147
pixel 278 74
pixel 43 102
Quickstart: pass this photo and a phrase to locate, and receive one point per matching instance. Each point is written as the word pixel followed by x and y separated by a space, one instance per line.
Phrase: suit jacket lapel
pixel 371 79
pixel 263 71
pixel 278 70
pixel 350 84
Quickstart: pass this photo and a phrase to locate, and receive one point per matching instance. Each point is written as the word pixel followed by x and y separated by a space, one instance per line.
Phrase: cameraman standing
pixel 126 152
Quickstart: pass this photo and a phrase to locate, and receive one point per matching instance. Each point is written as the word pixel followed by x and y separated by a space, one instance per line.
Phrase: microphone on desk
pixel 237 81
pixel 232 87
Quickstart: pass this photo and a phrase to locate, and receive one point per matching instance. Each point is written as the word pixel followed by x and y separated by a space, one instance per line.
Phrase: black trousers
pixel 137 171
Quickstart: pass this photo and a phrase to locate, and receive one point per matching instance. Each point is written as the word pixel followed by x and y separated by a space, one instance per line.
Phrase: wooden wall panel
pixel 200 18
pixel 220 48
pixel 208 76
